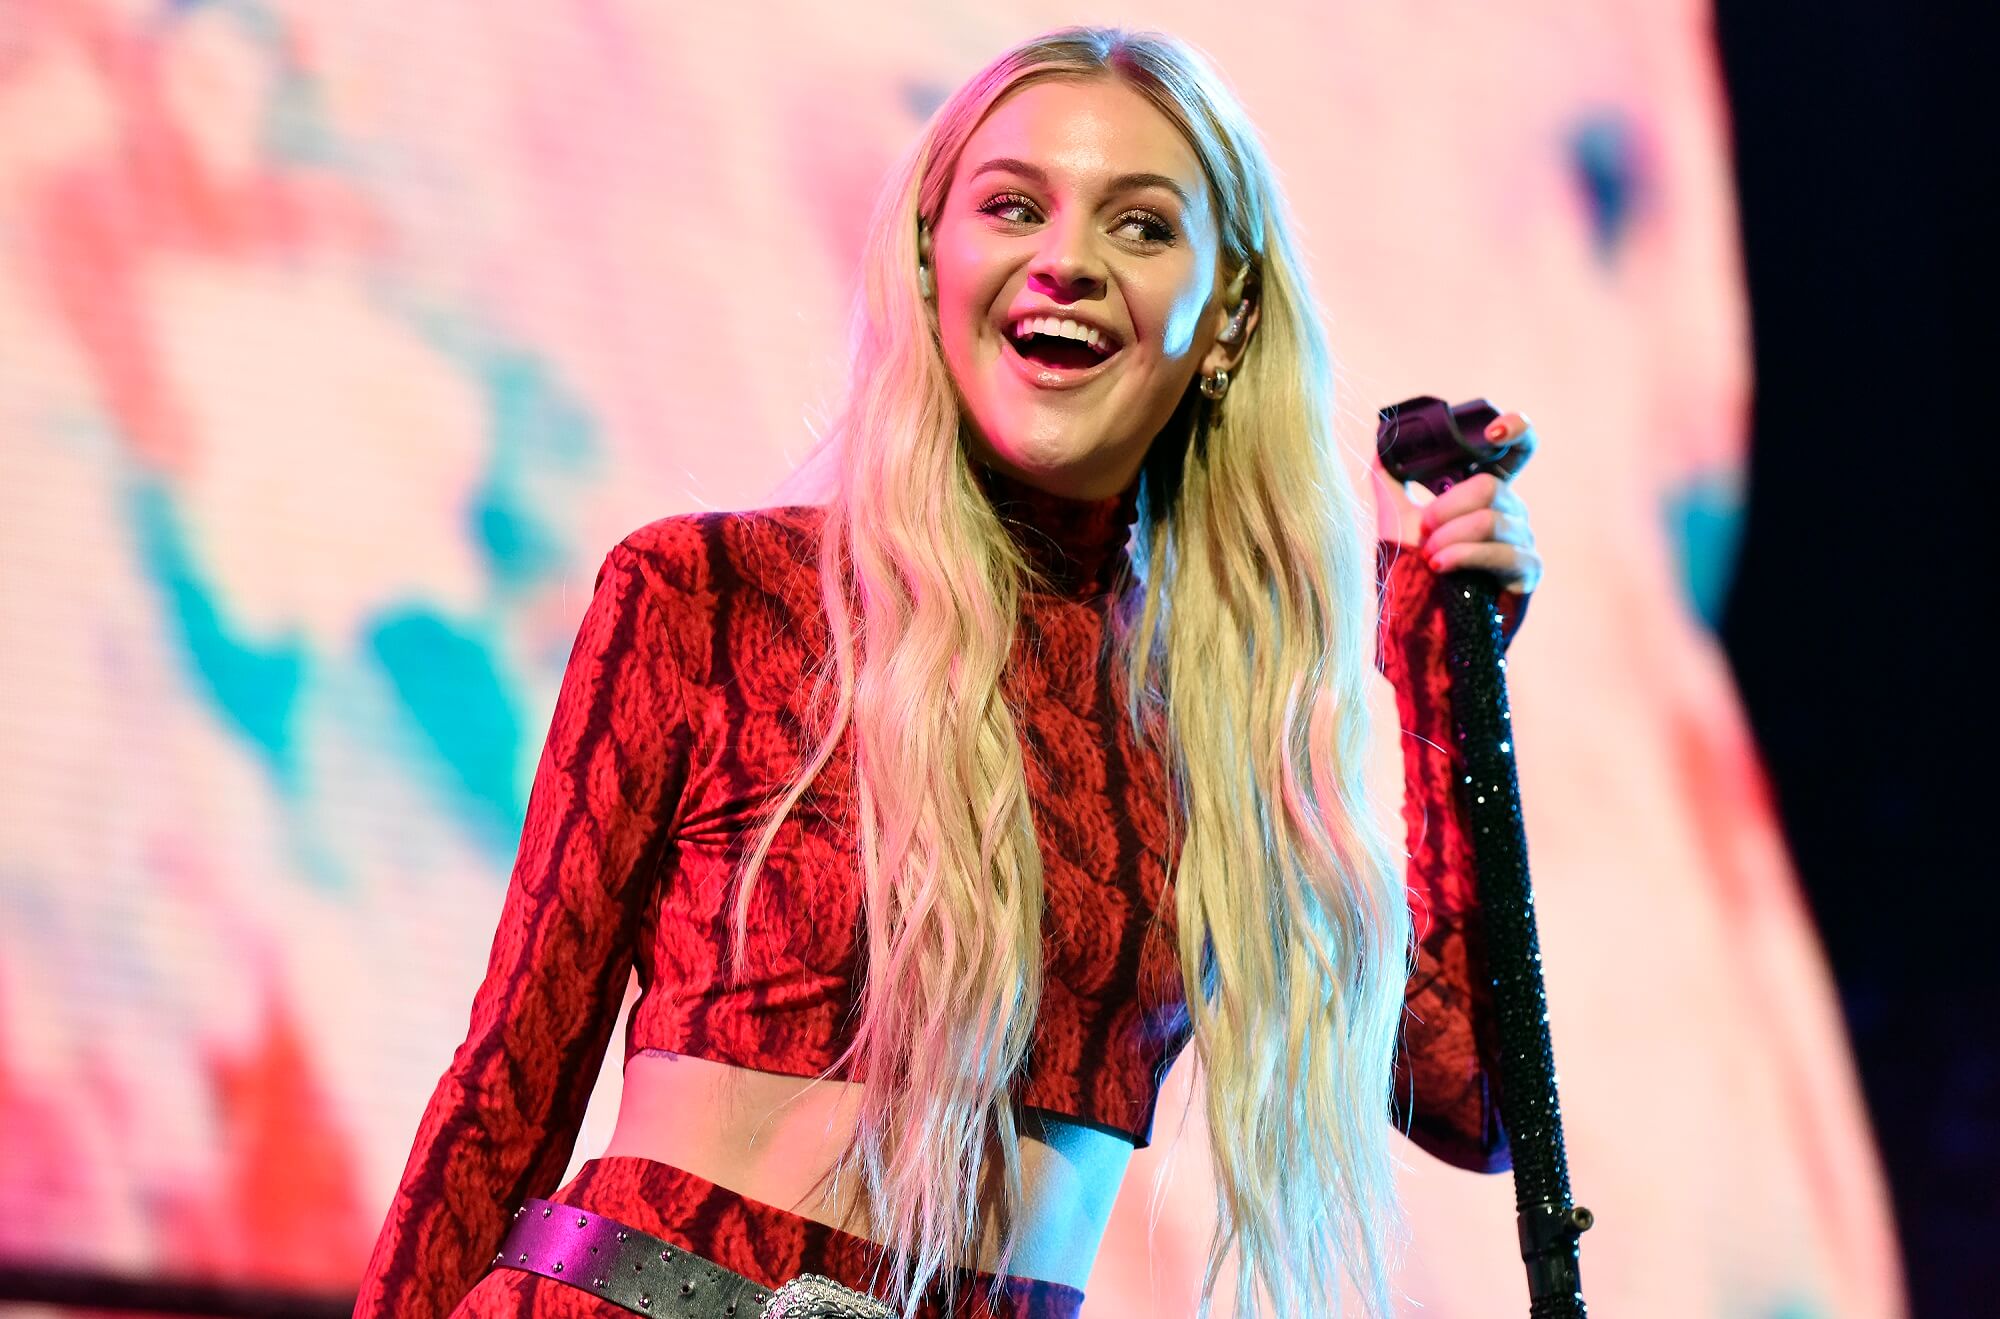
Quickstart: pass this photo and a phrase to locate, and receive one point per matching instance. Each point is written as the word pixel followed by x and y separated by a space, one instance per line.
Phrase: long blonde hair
pixel 1247 660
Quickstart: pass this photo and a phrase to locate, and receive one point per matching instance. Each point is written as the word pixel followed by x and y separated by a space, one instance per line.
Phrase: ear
pixel 1239 311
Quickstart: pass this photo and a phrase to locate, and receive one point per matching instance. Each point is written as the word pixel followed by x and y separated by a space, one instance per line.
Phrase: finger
pixel 1514 431
pixel 1508 500
pixel 1473 493
pixel 1485 524
pixel 1484 490
pixel 1504 428
pixel 1397 516
pixel 1517 569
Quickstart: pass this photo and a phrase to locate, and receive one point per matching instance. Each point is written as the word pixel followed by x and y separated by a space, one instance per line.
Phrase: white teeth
pixel 1062 328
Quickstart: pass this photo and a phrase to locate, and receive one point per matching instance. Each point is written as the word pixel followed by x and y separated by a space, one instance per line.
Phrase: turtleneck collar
pixel 1077 544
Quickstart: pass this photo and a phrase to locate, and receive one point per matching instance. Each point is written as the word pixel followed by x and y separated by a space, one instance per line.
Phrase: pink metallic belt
pixel 648 1275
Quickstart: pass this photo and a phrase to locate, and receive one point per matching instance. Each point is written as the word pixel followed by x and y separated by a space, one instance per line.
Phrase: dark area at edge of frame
pixel 1849 624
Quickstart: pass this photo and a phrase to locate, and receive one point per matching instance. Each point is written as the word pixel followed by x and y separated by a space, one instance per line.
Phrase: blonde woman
pixel 939 813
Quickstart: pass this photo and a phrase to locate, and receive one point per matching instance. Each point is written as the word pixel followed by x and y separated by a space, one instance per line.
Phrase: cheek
pixel 1175 307
pixel 970 356
pixel 1182 322
pixel 969 278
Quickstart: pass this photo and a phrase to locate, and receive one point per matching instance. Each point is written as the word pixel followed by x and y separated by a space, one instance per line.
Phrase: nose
pixel 1067 267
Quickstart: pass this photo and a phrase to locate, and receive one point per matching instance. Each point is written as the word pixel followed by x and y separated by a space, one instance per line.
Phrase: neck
pixel 1077 545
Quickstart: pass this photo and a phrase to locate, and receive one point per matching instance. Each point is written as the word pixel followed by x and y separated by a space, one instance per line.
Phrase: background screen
pixel 339 342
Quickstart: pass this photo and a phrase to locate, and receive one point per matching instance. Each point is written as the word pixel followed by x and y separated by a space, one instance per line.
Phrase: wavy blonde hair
pixel 1247 656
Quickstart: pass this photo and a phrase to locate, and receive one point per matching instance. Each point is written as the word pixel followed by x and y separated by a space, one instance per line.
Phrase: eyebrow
pixel 1124 182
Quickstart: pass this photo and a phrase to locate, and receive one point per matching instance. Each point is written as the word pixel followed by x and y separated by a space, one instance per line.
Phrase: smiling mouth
pixel 1061 354
pixel 1061 347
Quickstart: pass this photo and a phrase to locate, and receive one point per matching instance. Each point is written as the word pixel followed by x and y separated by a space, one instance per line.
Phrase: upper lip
pixel 1085 319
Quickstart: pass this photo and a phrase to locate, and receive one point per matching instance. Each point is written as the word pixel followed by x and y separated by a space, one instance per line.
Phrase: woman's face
pixel 1076 200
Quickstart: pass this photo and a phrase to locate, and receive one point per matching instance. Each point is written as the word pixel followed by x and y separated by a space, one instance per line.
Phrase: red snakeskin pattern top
pixel 681 714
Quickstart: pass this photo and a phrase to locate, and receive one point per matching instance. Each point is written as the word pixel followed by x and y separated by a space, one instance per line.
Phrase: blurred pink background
pixel 338 342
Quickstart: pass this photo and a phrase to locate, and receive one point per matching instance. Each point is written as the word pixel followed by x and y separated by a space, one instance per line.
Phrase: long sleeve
pixel 504 1118
pixel 1447 1063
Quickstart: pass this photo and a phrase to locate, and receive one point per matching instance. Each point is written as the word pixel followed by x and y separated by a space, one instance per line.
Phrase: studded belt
pixel 648 1275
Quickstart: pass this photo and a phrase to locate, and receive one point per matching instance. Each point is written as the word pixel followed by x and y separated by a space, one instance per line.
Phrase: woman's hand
pixel 1478 523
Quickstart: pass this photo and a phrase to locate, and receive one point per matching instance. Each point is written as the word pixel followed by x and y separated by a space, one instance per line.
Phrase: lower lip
pixel 1052 377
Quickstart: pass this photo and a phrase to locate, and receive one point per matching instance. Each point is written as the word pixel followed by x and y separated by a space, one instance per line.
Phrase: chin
pixel 1075 474
pixel 1047 454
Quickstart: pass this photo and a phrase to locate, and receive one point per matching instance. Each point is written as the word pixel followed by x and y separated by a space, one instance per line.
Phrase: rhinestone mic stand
pixel 1424 440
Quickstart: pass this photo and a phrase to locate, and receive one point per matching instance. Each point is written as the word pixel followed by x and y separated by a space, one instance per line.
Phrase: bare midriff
pixel 774 1138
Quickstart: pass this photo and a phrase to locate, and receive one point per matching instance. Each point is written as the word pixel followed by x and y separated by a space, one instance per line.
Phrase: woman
pixel 922 808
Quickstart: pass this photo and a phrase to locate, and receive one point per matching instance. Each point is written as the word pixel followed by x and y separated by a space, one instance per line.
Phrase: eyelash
pixel 1164 234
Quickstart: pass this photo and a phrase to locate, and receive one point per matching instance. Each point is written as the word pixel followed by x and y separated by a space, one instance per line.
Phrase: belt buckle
pixel 810 1296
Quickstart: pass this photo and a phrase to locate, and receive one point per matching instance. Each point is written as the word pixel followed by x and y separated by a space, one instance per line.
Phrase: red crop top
pixel 679 718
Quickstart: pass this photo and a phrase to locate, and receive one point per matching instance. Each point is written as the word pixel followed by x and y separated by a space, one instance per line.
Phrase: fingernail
pixel 1495 431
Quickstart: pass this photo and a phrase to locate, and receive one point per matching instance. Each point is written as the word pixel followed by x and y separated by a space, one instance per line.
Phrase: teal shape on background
pixel 254 686
pixel 1705 524
pixel 447 681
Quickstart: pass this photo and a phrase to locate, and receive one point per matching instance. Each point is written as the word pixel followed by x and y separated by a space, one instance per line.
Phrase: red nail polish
pixel 1495 431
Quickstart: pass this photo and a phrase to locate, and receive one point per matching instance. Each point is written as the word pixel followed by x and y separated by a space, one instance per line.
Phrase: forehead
pixel 1083 131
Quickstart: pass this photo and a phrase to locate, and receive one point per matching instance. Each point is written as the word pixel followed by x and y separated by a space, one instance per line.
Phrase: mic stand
pixel 1424 440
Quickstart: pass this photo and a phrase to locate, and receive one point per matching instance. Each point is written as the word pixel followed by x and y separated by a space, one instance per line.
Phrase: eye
pixel 1006 201
pixel 1153 228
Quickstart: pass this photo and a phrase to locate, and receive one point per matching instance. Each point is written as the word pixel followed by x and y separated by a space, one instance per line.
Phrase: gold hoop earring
pixel 1213 387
